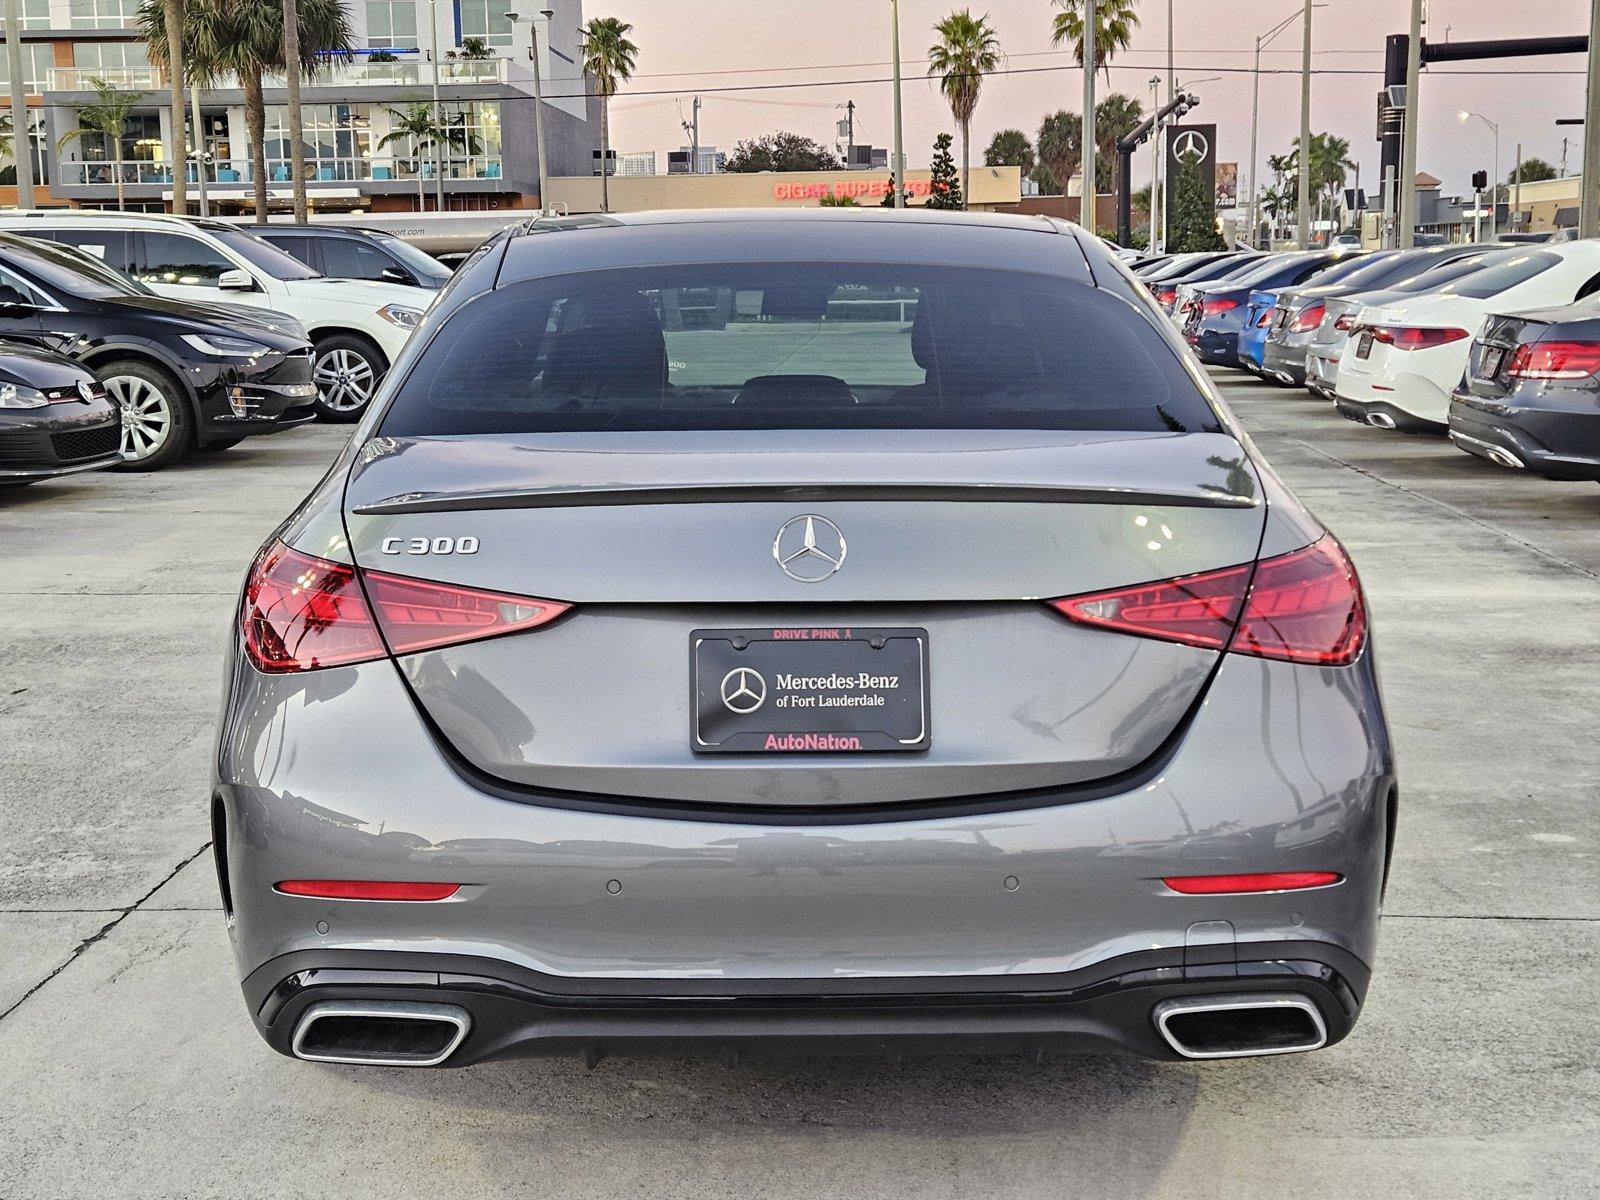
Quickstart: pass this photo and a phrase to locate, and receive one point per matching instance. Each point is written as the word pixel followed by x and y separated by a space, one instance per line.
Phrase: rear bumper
pixel 1216 347
pixel 1286 364
pixel 1104 1008
pixel 1383 415
pixel 1555 444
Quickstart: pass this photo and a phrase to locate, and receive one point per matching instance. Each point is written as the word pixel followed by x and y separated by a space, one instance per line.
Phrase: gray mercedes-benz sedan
pixel 809 631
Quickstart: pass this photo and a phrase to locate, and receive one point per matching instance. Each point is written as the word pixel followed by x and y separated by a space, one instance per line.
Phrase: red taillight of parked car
pixel 302 613
pixel 1308 318
pixel 1216 305
pixel 1345 323
pixel 1303 607
pixel 1554 360
pixel 1267 317
pixel 1166 295
pixel 1411 337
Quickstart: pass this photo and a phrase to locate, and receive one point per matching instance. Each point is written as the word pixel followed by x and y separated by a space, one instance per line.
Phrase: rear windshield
pixel 1339 270
pixel 797 346
pixel 1497 277
pixel 1445 273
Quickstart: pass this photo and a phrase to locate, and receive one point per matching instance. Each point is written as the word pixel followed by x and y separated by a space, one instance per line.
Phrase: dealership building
pixel 349 109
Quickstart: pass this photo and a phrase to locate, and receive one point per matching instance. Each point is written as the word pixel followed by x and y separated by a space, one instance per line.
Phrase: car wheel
pixel 347 371
pixel 157 427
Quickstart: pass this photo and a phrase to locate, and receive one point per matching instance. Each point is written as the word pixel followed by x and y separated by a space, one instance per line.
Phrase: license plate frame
pixel 1490 361
pixel 1364 345
pixel 809 690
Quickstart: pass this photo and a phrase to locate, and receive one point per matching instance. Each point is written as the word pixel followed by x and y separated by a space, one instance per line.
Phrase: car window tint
pixel 14 289
pixel 110 246
pixel 298 247
pixel 174 258
pixel 813 346
pixel 346 258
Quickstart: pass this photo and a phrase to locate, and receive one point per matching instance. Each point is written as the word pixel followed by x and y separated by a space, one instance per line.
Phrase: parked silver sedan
pixel 800 631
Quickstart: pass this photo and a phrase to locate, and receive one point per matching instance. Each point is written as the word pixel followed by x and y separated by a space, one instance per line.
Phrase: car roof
pixel 324 230
pixel 893 236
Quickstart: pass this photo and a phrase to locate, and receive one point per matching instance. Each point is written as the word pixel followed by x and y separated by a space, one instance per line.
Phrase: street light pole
pixel 1088 191
pixel 538 100
pixel 1589 204
pixel 1304 222
pixel 1494 179
pixel 1155 160
pixel 200 155
pixel 438 114
pixel 899 164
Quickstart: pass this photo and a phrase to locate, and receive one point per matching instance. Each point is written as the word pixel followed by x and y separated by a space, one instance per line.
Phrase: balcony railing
pixel 358 73
pixel 240 170
pixel 124 79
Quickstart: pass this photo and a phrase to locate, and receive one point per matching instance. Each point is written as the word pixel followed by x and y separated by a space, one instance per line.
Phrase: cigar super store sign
pixel 858 189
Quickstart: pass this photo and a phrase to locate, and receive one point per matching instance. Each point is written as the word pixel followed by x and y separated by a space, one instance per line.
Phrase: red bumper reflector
pixel 367 889
pixel 1274 881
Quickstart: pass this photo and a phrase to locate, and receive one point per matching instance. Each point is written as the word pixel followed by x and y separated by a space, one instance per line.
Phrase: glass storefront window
pixel 35 14
pixel 337 145
pixel 37 61
pixel 92 57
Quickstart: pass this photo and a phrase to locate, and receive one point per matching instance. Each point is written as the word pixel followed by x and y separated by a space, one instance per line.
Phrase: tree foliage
pixel 945 186
pixel 1060 146
pixel 1194 218
pixel 1533 171
pixel 781 151
pixel 1010 148
pixel 609 58
pixel 1115 21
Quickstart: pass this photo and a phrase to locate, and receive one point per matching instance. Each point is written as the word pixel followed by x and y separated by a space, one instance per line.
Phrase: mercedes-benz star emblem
pixel 743 690
pixel 808 548
pixel 1191 147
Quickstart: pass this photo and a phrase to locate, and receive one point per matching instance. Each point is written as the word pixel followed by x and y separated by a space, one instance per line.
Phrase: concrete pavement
pixel 130 1069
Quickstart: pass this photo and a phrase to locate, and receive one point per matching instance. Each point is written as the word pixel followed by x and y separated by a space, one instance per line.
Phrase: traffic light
pixel 1480 180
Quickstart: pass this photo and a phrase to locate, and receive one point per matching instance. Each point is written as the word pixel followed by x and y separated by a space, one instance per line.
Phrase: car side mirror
pixel 396 275
pixel 236 281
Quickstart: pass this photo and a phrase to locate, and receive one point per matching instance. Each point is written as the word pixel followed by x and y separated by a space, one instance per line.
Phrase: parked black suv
pixel 185 375
pixel 346 252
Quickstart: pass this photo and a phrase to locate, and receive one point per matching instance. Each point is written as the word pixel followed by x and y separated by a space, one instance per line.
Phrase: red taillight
pixel 1218 304
pixel 367 889
pixel 301 613
pixel 1308 319
pixel 1273 881
pixel 1410 337
pixel 1345 323
pixel 1267 318
pixel 1166 295
pixel 1303 607
pixel 418 615
pixel 1555 360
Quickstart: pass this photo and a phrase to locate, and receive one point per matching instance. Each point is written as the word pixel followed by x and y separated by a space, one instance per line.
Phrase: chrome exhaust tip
pixel 1489 450
pixel 1381 420
pixel 380 1033
pixel 1241 1026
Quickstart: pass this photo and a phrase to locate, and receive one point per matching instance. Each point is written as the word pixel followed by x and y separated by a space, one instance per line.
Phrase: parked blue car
pixel 1217 312
pixel 1259 311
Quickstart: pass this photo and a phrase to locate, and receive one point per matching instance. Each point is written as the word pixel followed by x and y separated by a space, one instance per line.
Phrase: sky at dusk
pixel 705 45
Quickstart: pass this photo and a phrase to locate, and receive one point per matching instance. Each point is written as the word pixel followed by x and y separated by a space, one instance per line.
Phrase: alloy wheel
pixel 345 379
pixel 146 415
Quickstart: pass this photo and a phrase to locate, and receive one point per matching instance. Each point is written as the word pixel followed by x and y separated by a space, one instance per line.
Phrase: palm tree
pixel 1060 145
pixel 610 57
pixel 177 144
pixel 418 125
pixel 108 117
pixel 1115 21
pixel 1010 148
pixel 1330 164
pixel 6 131
pixel 966 51
pixel 246 38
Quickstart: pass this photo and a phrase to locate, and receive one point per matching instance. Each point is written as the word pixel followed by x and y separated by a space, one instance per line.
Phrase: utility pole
pixel 291 57
pixel 1155 159
pixel 1172 75
pixel 899 167
pixel 1088 192
pixel 694 138
pixel 538 100
pixel 850 131
pixel 1304 216
pixel 1516 190
pixel 1589 206
pixel 1408 130
pixel 21 142
pixel 200 155
pixel 1255 124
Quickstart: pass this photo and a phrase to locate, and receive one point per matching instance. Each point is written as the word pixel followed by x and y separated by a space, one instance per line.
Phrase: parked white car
pixel 357 326
pixel 1403 360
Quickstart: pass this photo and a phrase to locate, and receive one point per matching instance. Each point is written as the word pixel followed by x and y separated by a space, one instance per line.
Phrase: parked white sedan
pixel 1403 360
